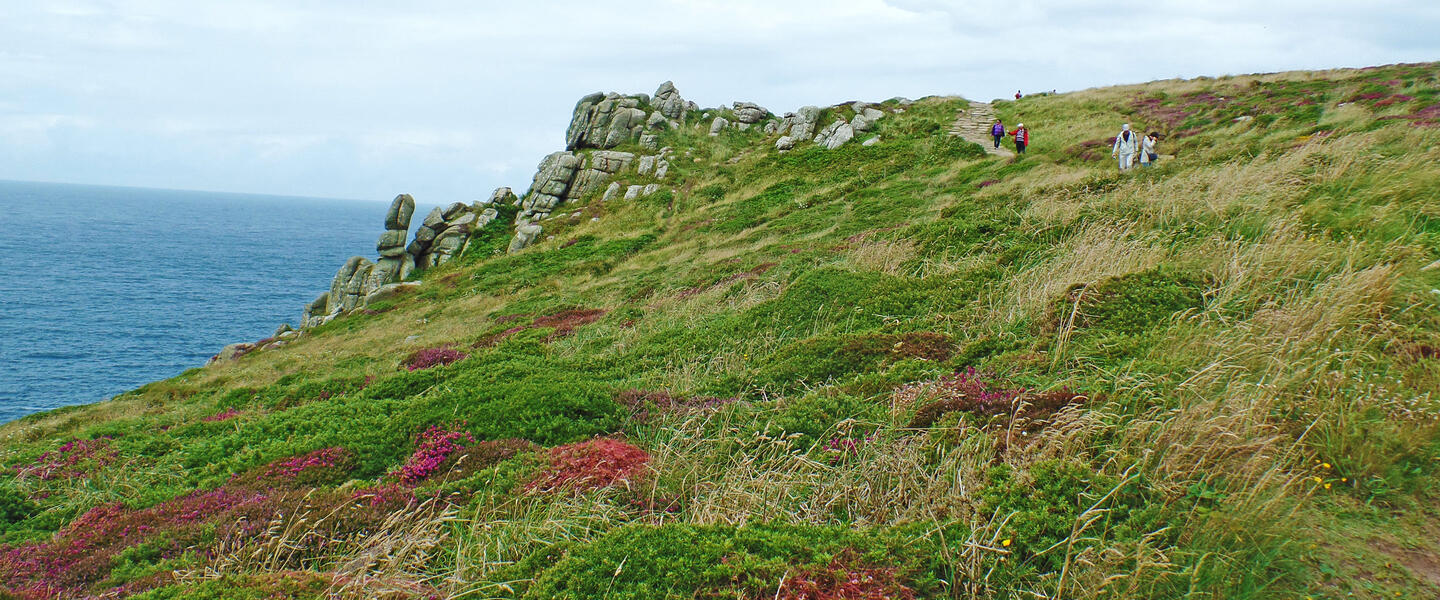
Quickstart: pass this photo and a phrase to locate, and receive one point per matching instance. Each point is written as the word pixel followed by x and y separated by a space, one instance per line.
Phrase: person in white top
pixel 1147 149
pixel 1125 146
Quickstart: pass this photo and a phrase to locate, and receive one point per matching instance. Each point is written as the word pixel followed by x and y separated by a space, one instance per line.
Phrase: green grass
pixel 1250 324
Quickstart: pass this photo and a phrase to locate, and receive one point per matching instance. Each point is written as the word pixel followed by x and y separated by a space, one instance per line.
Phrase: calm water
pixel 110 288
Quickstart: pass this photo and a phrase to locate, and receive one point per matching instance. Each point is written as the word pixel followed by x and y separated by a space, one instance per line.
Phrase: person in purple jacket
pixel 997 131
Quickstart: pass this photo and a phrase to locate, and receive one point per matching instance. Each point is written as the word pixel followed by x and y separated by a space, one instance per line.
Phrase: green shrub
pixel 1134 302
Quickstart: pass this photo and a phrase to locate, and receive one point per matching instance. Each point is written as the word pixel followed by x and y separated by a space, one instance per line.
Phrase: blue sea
pixel 109 288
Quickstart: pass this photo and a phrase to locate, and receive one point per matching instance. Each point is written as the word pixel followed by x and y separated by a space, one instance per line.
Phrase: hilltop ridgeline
pixel 600 123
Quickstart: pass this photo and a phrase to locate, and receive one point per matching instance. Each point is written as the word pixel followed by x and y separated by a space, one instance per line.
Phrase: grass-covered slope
pixel 906 370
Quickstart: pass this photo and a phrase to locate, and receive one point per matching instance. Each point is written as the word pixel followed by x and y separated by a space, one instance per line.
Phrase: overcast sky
pixel 449 99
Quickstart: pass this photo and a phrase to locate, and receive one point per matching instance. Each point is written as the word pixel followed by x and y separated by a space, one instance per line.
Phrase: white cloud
pixel 449 98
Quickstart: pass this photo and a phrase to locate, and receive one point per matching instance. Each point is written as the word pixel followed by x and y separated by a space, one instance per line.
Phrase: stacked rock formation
pixel 442 237
pixel 589 163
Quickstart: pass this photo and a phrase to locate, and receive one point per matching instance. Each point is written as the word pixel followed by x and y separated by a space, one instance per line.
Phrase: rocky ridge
pixel 602 127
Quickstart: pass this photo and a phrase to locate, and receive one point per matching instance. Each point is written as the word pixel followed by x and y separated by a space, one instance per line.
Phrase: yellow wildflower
pixel 1005 542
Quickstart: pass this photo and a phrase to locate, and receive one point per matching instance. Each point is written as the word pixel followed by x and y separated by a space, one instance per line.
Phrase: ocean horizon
pixel 115 287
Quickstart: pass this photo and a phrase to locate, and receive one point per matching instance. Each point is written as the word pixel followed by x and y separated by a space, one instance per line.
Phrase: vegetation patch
pixel 591 465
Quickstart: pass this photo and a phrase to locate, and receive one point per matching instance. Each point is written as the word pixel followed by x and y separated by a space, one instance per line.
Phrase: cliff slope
pixel 888 367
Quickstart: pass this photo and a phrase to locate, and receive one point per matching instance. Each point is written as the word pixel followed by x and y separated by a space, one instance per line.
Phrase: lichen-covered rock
pixel 604 121
pixel 391 290
pixel 391 243
pixel 649 141
pixel 718 125
pixel 667 101
pixel 800 124
pixel 842 134
pixel 611 192
pixel 657 122
pixel 524 236
pixel 399 215
pixel 551 184
pixel 316 311
pixel 785 143
pixel 749 113
pixel 502 196
pixel 633 192
pixel 599 167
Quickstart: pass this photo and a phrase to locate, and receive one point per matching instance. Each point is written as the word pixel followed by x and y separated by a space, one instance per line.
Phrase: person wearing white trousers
pixel 1125 146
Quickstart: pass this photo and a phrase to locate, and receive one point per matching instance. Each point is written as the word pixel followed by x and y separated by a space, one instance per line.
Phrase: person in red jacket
pixel 1022 138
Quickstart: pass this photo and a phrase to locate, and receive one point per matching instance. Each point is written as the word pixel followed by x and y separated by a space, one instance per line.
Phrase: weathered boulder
pixel 604 121
pixel 667 101
pixel 749 113
pixel 400 210
pixel 391 243
pixel 649 140
pixel 524 236
pixel 633 192
pixel 871 142
pixel 718 125
pixel 436 217
pixel 801 123
pixel 842 134
pixel 391 290
pixel 785 143
pixel 502 196
pixel 231 352
pixel 657 122
pixel 551 184
pixel 611 192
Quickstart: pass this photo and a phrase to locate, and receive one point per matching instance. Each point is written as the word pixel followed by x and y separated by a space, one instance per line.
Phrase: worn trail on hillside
pixel 974 125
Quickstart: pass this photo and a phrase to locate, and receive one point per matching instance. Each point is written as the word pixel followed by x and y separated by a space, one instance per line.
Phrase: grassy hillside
pixel 907 370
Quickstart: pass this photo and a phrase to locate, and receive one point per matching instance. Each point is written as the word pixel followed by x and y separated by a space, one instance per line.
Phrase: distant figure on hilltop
pixel 997 131
pixel 1022 138
pixel 1125 145
pixel 1017 94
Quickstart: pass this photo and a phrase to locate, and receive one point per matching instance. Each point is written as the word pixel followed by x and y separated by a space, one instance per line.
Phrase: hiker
pixel 997 131
pixel 1022 138
pixel 1125 145
pixel 1017 94
pixel 1148 157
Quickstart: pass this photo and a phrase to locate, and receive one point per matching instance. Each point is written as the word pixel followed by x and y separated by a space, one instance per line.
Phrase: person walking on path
pixel 997 131
pixel 1148 157
pixel 1022 138
pixel 1125 145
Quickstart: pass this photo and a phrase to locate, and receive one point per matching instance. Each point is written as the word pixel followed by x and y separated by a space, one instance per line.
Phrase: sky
pixel 449 99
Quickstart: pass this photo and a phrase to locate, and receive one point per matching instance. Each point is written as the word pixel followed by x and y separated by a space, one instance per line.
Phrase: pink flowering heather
pixel 970 391
pixel 841 448
pixel 437 449
pixel 321 466
pixel 433 357
pixel 72 459
pixel 83 552
pixel 224 415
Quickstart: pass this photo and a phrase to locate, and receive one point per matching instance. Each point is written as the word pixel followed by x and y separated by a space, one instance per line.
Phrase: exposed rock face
pixel 800 124
pixel 441 237
pixel 749 113
pixel 605 121
pixel 718 125
pixel 835 135
pixel 785 143
pixel 668 102
pixel 524 236
pixel 549 187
